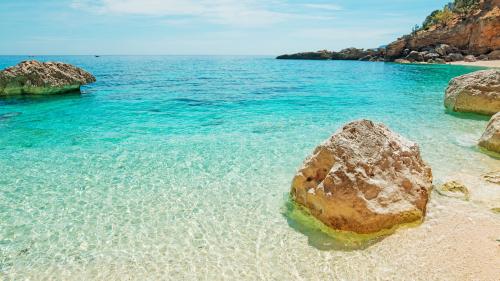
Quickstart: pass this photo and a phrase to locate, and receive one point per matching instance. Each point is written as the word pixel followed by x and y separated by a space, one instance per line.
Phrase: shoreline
pixel 486 63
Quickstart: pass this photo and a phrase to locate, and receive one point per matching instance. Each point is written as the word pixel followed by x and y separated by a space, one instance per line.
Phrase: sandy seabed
pixel 458 241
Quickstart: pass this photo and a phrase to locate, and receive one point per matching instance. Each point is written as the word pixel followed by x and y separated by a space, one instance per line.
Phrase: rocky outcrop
pixel 477 92
pixel 364 179
pixel 490 139
pixel 475 35
pixel 345 54
pixel 319 55
pixel 41 78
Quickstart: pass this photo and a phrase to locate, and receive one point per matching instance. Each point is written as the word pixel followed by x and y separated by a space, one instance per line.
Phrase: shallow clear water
pixel 179 166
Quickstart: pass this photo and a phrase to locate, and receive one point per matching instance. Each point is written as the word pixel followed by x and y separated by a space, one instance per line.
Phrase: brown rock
pixel 402 61
pixel 443 49
pixel 454 57
pixel 482 57
pixel 33 77
pixel 431 56
pixel 478 34
pixel 415 56
pixel 470 58
pixel 495 55
pixel 364 178
pixel 490 139
pixel 396 48
pixel 477 92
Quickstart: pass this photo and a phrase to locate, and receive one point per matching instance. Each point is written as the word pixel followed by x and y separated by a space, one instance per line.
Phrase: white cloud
pixel 331 7
pixel 233 12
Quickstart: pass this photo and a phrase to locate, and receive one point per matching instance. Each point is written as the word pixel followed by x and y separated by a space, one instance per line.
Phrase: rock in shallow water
pixel 40 78
pixel 364 179
pixel 491 137
pixel 477 92
pixel 454 189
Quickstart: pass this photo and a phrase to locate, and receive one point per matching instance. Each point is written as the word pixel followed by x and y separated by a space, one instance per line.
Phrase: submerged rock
pixel 490 139
pixel 454 189
pixel 41 78
pixel 477 92
pixel 493 177
pixel 364 179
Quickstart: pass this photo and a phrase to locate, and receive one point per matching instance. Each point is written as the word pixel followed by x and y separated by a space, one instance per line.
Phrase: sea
pixel 179 167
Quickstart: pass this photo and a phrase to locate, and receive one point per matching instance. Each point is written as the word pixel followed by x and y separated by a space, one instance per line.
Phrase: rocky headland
pixel 42 78
pixel 345 54
pixel 462 31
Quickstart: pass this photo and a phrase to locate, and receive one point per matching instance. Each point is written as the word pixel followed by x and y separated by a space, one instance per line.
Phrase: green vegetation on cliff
pixel 453 10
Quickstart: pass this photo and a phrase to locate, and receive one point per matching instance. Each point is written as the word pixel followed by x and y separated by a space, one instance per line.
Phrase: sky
pixel 203 27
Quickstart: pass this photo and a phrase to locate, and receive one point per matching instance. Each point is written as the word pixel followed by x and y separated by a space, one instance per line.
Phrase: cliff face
pixel 470 37
pixel 478 34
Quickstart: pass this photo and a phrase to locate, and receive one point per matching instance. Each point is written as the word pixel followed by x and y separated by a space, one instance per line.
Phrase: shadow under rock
pixel 487 152
pixel 468 115
pixel 24 99
pixel 320 236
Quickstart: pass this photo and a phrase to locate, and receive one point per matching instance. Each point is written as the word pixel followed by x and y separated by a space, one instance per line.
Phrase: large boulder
pixel 495 55
pixel 454 57
pixel 40 78
pixel 491 137
pixel 470 58
pixel 477 92
pixel 364 179
pixel 415 56
pixel 431 56
pixel 443 49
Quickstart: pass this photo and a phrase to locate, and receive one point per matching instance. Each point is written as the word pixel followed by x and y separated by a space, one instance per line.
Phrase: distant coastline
pixel 463 31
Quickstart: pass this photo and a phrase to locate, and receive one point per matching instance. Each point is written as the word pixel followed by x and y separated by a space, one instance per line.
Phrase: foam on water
pixel 178 167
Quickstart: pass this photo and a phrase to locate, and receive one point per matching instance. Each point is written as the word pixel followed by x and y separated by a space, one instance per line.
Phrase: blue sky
pixel 53 27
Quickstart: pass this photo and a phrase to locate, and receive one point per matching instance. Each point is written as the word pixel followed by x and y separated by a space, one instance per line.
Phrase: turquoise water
pixel 179 166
